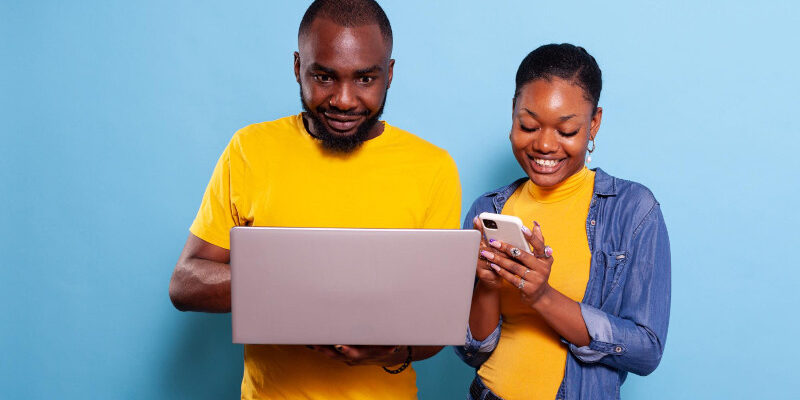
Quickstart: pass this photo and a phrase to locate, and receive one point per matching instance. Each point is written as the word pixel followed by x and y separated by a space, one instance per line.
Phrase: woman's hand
pixel 486 275
pixel 528 272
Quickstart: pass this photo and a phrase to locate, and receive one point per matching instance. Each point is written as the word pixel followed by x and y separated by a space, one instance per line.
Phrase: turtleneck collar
pixel 561 191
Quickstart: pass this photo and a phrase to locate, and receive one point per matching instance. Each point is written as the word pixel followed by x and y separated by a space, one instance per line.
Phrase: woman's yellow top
pixel 529 360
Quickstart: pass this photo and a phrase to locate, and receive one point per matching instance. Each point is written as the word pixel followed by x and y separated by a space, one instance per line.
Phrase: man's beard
pixel 340 143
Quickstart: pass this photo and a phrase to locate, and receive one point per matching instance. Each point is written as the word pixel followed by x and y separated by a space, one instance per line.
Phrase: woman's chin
pixel 544 180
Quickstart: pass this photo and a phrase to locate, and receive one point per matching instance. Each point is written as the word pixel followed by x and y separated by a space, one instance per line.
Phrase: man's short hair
pixel 348 13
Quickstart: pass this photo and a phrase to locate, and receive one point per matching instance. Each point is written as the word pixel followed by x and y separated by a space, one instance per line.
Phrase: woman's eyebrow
pixel 561 118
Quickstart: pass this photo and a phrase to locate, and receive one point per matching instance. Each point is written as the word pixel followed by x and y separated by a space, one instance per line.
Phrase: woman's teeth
pixel 545 163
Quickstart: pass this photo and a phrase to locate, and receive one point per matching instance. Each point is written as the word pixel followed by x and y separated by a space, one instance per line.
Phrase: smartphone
pixel 505 228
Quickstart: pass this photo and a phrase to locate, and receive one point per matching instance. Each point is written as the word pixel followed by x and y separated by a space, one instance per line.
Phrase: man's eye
pixel 322 78
pixel 366 79
pixel 526 129
pixel 568 134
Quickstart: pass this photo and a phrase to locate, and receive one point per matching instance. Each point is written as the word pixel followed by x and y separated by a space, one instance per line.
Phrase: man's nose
pixel 344 98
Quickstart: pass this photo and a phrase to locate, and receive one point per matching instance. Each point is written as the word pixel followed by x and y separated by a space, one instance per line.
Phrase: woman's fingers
pixel 536 240
pixel 506 259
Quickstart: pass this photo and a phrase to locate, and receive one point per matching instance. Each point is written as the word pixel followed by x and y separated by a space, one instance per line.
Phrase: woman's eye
pixel 526 129
pixel 568 134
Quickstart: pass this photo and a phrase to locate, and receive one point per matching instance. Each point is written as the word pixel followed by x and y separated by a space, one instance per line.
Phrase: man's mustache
pixel 337 112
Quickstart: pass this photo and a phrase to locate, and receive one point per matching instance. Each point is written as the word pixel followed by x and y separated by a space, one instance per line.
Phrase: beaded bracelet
pixel 401 368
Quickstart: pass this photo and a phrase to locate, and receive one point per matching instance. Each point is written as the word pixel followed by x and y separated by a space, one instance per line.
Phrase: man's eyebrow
pixel 369 70
pixel 561 118
pixel 319 67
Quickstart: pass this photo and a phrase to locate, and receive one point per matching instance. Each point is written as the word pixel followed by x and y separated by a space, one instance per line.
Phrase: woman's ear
pixel 595 124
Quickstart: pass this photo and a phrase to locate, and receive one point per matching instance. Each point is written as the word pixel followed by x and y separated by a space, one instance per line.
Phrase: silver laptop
pixel 351 286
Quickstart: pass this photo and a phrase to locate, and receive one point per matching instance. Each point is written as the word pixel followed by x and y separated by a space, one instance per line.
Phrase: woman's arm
pixel 634 339
pixel 483 329
pixel 560 312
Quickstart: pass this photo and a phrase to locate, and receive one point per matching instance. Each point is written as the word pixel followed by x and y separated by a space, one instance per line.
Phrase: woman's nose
pixel 546 141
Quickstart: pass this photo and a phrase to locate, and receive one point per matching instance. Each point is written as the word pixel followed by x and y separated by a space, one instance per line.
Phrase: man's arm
pixel 201 280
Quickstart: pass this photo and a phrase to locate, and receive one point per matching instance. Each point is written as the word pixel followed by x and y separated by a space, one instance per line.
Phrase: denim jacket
pixel 626 303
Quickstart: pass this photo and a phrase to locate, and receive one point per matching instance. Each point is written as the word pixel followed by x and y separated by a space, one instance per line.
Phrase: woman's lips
pixel 545 165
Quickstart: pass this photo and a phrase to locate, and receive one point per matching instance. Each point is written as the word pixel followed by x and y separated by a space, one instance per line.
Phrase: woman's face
pixel 552 124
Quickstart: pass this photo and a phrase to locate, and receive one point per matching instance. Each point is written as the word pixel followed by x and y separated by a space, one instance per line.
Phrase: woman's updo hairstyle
pixel 565 61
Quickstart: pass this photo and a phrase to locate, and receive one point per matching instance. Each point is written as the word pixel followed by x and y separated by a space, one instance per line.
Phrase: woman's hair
pixel 565 61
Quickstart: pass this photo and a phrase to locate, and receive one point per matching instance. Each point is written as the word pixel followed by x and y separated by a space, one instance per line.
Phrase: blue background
pixel 112 116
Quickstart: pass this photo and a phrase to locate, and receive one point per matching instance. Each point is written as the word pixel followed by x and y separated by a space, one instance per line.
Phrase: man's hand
pixel 366 355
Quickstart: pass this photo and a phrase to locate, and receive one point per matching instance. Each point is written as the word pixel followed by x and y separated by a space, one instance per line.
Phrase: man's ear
pixel 391 73
pixel 297 66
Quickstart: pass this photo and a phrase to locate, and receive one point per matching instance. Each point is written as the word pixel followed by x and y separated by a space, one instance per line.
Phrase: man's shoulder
pixel 420 147
pixel 260 132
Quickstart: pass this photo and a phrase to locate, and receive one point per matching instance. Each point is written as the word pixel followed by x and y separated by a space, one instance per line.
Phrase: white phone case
pixel 509 230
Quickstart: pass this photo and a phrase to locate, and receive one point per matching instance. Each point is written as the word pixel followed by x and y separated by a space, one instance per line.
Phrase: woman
pixel 592 302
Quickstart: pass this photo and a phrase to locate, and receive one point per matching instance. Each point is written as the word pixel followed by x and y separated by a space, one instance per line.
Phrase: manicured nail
pixel 487 255
pixel 495 267
pixel 526 231
pixel 495 244
pixel 536 224
pixel 548 251
pixel 475 220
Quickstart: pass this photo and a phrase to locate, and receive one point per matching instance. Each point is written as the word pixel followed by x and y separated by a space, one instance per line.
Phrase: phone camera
pixel 487 223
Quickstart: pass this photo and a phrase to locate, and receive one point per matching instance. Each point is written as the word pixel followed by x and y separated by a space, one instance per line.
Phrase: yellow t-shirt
pixel 528 362
pixel 276 174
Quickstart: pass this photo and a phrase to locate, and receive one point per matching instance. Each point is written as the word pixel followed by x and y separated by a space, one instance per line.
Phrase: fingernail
pixel 475 220
pixel 487 255
pixel 338 348
pixel 536 224
pixel 495 267
pixel 548 251
pixel 526 231
pixel 495 243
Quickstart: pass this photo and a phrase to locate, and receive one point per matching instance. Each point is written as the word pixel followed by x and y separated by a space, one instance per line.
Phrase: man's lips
pixel 342 123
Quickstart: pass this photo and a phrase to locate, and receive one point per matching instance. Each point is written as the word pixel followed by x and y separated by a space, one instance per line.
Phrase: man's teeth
pixel 545 163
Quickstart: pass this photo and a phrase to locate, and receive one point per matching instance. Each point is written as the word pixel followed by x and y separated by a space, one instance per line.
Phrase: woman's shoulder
pixel 625 196
pixel 502 193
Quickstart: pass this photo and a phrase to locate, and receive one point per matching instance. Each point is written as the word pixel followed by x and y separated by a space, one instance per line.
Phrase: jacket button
pixel 469 354
pixel 592 222
pixel 618 349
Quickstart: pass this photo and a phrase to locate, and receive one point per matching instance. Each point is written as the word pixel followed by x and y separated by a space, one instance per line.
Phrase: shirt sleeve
pixel 634 340
pixel 444 209
pixel 217 213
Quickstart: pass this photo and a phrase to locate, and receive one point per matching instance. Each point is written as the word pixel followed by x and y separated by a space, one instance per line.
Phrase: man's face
pixel 344 74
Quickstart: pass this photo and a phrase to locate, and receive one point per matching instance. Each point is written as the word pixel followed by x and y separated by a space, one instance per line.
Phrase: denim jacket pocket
pixel 615 262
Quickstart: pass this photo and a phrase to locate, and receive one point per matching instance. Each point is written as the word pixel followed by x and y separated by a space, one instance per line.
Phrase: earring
pixel 590 150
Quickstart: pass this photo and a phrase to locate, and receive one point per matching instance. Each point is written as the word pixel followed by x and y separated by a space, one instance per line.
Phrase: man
pixel 334 165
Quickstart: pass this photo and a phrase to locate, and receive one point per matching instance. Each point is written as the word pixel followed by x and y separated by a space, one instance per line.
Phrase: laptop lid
pixel 351 286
